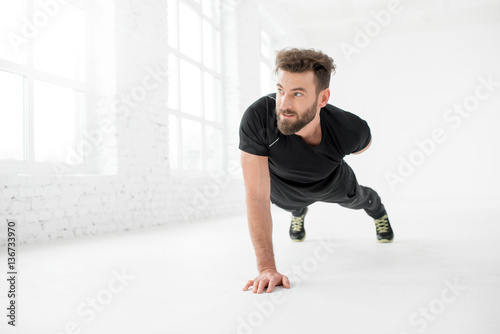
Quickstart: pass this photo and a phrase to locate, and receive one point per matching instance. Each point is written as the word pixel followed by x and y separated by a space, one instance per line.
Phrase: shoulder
pixel 263 104
pixel 262 111
pixel 340 114
pixel 342 119
pixel 258 126
pixel 350 131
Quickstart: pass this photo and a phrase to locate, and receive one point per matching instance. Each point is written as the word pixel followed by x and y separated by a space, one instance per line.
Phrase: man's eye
pixel 298 94
pixel 280 91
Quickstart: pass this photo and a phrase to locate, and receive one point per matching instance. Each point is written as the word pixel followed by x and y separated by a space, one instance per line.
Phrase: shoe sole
pixel 299 240
pixel 385 241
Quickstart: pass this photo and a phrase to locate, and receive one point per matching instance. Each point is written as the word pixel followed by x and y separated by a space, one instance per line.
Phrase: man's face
pixel 296 101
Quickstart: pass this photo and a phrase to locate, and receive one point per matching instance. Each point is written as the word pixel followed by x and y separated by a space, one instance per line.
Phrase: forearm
pixel 261 230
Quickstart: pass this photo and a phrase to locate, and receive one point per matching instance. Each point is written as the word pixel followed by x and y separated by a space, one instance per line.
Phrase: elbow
pixel 366 147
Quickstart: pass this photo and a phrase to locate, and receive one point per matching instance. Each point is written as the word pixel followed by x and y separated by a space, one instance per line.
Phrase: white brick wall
pixel 133 187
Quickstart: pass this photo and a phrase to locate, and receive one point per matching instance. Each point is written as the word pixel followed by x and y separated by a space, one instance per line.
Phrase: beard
pixel 294 125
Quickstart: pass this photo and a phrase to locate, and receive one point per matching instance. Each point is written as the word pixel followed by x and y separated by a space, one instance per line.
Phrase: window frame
pixel 177 112
pixel 30 74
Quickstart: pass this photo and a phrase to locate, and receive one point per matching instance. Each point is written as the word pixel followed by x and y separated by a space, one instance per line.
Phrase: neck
pixel 311 133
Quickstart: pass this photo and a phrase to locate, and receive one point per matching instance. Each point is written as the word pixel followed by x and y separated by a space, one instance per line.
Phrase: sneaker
pixel 297 231
pixel 384 230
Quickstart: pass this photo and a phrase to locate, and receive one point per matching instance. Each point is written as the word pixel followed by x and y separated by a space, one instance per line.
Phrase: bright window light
pixel 266 79
pixel 11 116
pixel 213 97
pixel 56 110
pixel 12 41
pixel 190 88
pixel 191 145
pixel 173 141
pixel 60 49
pixel 189 32
pixel 194 102
pixel 214 148
pixel 42 80
pixel 173 81
pixel 173 40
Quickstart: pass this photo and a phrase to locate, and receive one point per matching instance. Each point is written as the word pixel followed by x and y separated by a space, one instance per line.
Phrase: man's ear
pixel 324 97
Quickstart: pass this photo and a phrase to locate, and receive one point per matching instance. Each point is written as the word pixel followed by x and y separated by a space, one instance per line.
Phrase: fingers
pixel 248 285
pixel 283 281
pixel 286 282
pixel 258 288
pixel 260 283
pixel 271 285
pixel 265 282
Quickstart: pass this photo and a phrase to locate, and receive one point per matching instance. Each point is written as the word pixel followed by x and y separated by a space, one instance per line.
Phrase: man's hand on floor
pixel 267 278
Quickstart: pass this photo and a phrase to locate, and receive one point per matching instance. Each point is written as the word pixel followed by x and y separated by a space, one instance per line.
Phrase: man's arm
pixel 367 146
pixel 258 188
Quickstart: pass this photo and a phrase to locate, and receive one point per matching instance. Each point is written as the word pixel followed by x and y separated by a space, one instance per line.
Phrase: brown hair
pixel 302 60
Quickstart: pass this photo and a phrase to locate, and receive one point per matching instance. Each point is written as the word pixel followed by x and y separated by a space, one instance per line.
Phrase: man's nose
pixel 285 102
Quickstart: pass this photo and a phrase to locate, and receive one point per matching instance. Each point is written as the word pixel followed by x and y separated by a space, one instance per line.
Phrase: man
pixel 293 144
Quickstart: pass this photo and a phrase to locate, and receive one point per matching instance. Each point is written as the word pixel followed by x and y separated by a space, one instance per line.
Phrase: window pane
pixel 265 44
pixel 213 98
pixel 217 50
pixel 211 46
pixel 216 9
pixel 208 45
pixel 214 148
pixel 173 82
pixel 12 39
pixel 189 32
pixel 266 79
pixel 173 141
pixel 60 49
pixel 207 7
pixel 11 116
pixel 190 76
pixel 172 24
pixel 191 145
pixel 56 111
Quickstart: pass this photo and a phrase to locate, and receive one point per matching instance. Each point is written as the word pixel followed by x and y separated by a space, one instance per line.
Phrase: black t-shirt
pixel 302 174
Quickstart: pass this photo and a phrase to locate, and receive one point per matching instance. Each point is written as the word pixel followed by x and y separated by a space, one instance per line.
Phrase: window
pixel 196 137
pixel 267 84
pixel 42 80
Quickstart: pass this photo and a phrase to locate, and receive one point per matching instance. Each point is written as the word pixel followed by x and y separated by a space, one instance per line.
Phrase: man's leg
pixel 351 195
pixel 298 212
pixel 367 199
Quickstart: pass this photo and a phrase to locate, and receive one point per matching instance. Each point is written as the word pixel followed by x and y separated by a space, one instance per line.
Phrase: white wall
pixel 405 86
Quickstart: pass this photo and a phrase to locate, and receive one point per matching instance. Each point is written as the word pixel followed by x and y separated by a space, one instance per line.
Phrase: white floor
pixel 441 275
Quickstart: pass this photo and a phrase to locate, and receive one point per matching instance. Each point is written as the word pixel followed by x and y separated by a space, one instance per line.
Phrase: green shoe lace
pixel 297 223
pixel 382 224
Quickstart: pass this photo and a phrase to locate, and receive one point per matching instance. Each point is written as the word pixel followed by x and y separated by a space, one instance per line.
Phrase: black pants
pixel 351 195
